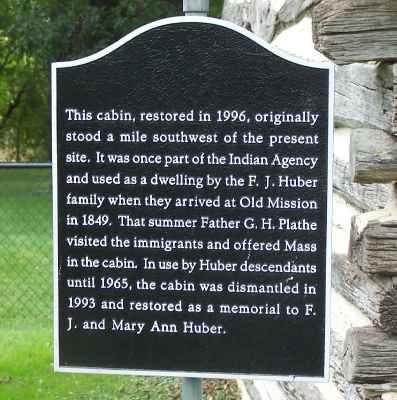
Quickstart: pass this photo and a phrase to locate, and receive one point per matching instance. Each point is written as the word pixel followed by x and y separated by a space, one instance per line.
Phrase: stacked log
pixel 369 279
pixel 373 156
pixel 364 96
pixel 369 344
pixel 373 244
pixel 364 197
pixel 350 33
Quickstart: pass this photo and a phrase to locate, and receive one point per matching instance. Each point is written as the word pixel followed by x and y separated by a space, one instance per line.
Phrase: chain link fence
pixel 25 244
pixel 26 369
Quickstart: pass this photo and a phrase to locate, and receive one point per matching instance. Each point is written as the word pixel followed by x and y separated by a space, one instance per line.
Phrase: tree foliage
pixel 34 33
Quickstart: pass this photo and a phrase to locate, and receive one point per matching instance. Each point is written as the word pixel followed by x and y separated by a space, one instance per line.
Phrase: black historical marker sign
pixel 192 206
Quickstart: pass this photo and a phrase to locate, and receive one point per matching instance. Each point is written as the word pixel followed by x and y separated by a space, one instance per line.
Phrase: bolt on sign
pixel 192 184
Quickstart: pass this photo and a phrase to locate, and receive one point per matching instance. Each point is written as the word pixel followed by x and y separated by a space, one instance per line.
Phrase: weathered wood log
pixel 364 197
pixel 370 355
pixel 292 11
pixel 262 17
pixel 257 16
pixel 364 96
pixel 374 295
pixel 395 99
pixel 237 12
pixel 373 156
pixel 343 317
pixel 373 242
pixel 349 31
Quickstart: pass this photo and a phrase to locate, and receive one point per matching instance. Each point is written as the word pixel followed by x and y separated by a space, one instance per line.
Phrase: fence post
pixel 192 387
pixel 196 7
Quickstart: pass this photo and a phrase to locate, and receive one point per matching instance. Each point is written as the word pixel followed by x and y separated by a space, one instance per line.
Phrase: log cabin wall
pixel 360 37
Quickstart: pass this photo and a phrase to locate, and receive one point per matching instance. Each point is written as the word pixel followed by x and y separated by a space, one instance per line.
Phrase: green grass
pixel 26 373
pixel 26 346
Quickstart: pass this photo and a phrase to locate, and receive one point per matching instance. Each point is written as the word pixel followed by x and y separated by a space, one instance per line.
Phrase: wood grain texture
pixel 364 96
pixel 349 31
pixel 373 156
pixel 256 16
pixel 373 242
pixel 395 99
pixel 370 356
pixel 381 391
pixel 259 17
pixel 292 11
pixel 343 317
pixel 365 197
pixel 374 295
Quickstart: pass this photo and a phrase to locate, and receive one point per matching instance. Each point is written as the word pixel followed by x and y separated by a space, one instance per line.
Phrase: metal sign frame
pixel 111 48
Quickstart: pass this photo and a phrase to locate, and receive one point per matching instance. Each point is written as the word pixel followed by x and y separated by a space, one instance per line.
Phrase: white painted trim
pixel 195 19
pixel 55 210
pixel 331 96
pixel 192 374
pixel 108 50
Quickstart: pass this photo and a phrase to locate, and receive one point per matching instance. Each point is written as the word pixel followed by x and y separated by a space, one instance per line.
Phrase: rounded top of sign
pixel 191 19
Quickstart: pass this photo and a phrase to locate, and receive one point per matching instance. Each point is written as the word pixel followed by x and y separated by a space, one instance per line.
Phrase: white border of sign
pixel 104 52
